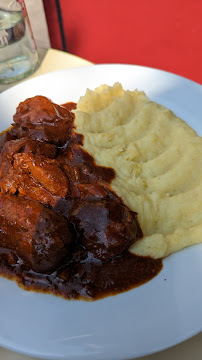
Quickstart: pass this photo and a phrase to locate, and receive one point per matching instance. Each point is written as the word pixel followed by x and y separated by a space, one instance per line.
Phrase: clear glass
pixel 18 52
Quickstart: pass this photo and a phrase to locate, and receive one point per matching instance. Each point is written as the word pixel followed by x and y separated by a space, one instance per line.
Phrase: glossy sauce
pixel 89 279
pixel 84 276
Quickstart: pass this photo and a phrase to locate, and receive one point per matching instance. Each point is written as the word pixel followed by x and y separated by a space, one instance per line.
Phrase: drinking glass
pixel 18 52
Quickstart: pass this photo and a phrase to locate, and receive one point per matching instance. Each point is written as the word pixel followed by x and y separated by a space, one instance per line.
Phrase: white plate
pixel 154 316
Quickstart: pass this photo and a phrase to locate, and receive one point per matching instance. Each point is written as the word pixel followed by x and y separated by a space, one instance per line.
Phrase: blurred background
pixel 38 21
pixel 161 34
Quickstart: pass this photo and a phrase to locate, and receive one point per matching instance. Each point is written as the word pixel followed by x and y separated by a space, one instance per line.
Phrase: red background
pixel 165 34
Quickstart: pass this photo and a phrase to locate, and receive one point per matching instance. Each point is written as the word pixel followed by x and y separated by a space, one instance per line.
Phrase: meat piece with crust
pixel 41 237
pixel 106 227
pixel 46 172
pixel 28 167
pixel 4 137
pixel 41 119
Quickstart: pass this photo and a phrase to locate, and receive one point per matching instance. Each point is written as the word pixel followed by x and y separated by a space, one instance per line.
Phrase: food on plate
pixel 29 167
pixel 95 194
pixel 157 158
pixel 39 235
pixel 62 228
pixel 42 120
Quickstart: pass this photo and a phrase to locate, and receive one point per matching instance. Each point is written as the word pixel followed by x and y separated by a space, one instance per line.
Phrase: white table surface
pixel 188 350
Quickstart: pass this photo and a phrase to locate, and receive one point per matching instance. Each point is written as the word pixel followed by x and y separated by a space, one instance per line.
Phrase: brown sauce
pixel 98 262
pixel 90 279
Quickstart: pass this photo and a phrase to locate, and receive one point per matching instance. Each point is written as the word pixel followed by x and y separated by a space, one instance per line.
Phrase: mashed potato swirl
pixel 157 158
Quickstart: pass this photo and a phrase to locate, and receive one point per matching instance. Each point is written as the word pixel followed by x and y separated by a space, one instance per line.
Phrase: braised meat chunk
pixel 4 137
pixel 29 168
pixel 106 227
pixel 62 227
pixel 41 119
pixel 46 172
pixel 41 237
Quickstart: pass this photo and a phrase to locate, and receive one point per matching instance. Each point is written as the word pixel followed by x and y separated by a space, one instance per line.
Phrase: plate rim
pixel 108 65
pixel 25 81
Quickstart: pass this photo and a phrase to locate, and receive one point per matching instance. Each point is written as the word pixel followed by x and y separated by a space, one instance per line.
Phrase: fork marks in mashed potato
pixel 157 158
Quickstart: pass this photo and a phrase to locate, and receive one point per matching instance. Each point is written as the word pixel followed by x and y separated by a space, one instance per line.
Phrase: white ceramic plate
pixel 154 316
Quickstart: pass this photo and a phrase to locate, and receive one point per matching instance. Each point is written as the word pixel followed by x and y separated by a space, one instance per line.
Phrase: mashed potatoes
pixel 158 162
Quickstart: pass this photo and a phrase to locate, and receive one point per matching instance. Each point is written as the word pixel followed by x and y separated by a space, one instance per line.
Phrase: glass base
pixel 16 69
